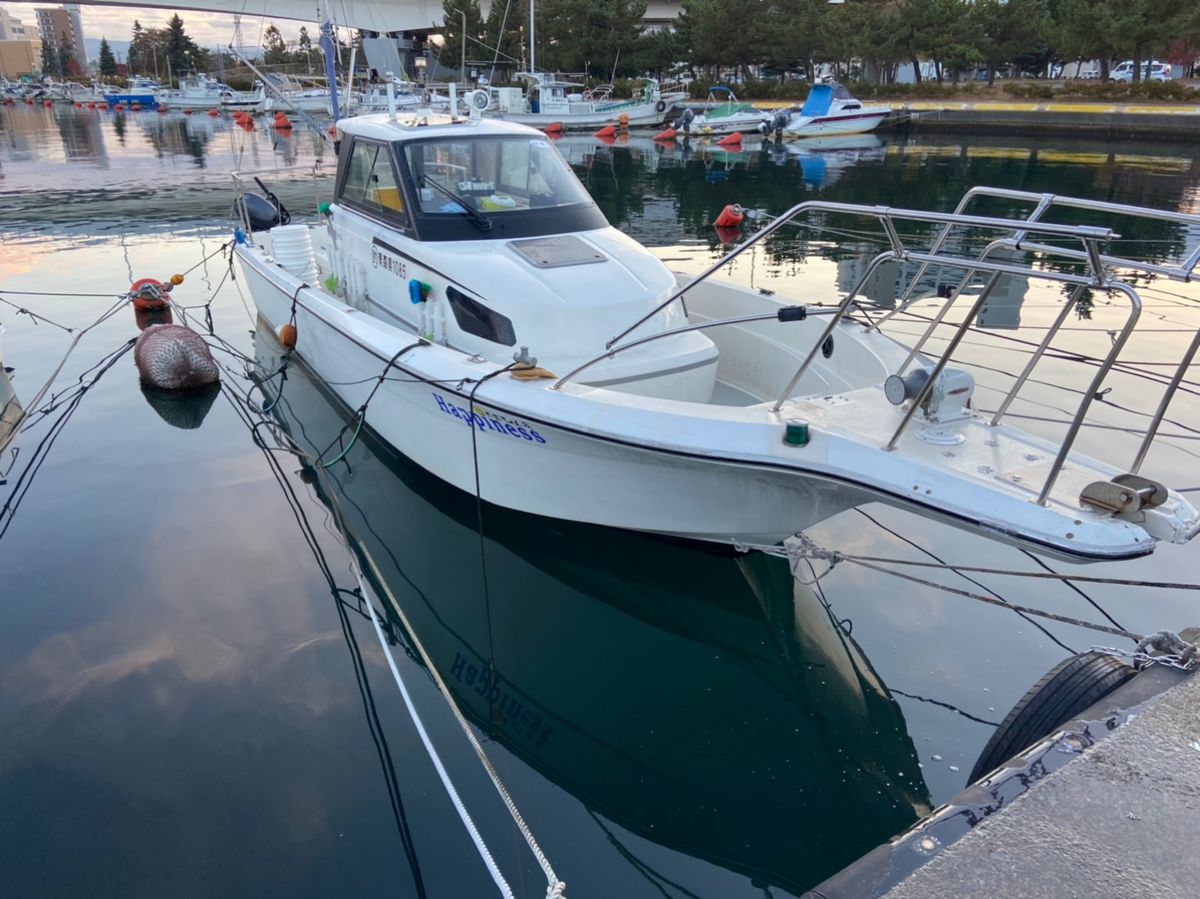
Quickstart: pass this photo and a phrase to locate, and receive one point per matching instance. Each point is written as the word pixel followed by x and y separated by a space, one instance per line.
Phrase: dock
pixel 1107 806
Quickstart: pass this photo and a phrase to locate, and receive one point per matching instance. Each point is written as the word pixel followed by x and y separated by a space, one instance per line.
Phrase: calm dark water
pixel 191 702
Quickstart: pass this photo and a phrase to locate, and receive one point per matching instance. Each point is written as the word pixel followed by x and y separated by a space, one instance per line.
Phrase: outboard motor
pixel 261 213
pixel 685 120
pixel 776 123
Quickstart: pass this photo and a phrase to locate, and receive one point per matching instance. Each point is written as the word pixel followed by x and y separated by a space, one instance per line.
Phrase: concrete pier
pixel 1109 806
pixel 1114 120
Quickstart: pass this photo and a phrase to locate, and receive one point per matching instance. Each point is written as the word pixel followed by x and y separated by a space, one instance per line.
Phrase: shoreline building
pixel 63 23
pixel 20 48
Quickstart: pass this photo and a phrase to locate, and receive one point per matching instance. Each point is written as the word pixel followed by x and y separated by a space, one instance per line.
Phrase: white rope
pixel 555 888
pixel 463 814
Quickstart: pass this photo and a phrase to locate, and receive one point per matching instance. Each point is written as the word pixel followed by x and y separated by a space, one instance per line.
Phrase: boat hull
pixel 640 116
pixel 554 471
pixel 824 126
pixel 146 101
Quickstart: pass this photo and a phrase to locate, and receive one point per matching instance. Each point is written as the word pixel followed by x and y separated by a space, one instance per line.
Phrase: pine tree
pixel 108 63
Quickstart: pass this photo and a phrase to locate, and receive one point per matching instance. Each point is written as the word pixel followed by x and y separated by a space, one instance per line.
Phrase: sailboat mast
pixel 532 52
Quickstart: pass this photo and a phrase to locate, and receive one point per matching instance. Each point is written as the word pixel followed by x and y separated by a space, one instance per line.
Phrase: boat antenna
pixel 532 42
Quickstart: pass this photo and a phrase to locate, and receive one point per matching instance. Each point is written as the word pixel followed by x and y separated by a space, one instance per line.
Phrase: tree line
pixel 603 38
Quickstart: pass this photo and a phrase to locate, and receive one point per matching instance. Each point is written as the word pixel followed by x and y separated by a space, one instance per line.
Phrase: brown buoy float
pixel 173 357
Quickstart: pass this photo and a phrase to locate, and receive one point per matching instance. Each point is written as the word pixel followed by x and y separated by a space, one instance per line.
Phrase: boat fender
pixel 1063 693
pixel 731 216
pixel 287 336
pixel 173 357
pixel 661 106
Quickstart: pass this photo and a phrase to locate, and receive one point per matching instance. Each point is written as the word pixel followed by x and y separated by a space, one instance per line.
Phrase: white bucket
pixel 293 249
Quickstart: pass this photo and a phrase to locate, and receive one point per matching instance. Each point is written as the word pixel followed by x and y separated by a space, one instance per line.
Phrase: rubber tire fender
pixel 1064 691
pixel 661 105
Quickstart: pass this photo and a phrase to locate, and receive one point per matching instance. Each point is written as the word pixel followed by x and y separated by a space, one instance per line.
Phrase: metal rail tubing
pixel 1135 310
pixel 938 367
pixel 963 283
pixel 612 351
pixel 884 214
pixel 1168 395
pixel 1037 354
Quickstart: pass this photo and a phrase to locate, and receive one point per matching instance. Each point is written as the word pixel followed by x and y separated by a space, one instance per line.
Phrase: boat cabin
pixel 477 234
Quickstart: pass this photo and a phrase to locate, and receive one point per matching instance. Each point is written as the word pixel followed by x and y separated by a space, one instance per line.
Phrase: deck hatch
pixel 557 251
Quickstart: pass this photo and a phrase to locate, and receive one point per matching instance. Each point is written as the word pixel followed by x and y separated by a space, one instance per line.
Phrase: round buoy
pixel 149 293
pixel 623 121
pixel 731 216
pixel 332 131
pixel 47 103
pixel 176 280
pixel 173 357
pixel 666 134
pixel 162 110
pixel 1067 689
pixel 287 336
pixel 78 105
pixel 282 122
pixel 29 101
pixel 606 131
pixel 554 128
pixel 104 106
pixel 135 106
pixel 213 113
pixel 187 110
pixel 91 104
pixel 731 140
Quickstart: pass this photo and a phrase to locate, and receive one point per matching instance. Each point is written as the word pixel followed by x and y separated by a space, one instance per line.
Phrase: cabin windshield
pixel 494 174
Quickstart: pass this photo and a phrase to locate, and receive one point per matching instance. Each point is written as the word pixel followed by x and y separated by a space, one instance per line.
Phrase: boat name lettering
pixel 381 259
pixel 491 421
pixel 518 717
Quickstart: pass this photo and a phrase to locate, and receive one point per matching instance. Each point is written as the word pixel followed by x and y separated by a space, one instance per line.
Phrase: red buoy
pixel 162 110
pixel 731 216
pixel 282 121
pixel 606 131
pixel 287 336
pixel 135 106
pixel 333 131
pixel 104 106
pixel 213 113
pixel 666 134
pixel 187 110
pixel 553 128
pixel 149 293
pixel 78 105
pixel 731 140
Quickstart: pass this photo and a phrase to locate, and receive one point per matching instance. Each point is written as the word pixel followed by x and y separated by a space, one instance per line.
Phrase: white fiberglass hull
pixel 643 115
pixel 170 102
pixel 696 470
pixel 742 123
pixel 824 126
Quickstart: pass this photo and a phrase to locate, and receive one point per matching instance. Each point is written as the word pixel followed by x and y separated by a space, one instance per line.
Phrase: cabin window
pixel 370 181
pixel 476 318
pixel 492 175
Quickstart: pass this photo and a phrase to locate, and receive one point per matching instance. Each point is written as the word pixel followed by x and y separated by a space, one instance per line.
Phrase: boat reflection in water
pixel 705 702
pixel 11 416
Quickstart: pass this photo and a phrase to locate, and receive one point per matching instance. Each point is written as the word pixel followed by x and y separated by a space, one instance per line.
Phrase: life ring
pixel 1067 689
pixel 661 105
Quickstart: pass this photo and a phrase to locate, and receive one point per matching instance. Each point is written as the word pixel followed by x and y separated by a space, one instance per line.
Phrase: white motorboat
pixel 197 92
pixel 253 101
pixel 692 407
pixel 549 100
pixel 289 94
pixel 830 109
pixel 723 114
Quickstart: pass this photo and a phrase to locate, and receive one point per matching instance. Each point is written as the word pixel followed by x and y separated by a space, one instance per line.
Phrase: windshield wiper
pixel 484 223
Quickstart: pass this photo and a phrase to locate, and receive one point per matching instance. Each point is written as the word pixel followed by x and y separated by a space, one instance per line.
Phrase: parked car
pixel 1152 70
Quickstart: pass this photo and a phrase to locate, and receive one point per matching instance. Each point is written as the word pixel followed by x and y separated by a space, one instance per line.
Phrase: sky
pixel 206 29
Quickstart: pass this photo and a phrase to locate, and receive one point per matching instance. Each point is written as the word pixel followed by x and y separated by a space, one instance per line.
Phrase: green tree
pixel 1087 29
pixel 49 58
pixel 108 63
pixel 275 51
pixel 590 36
pixel 64 57
pixel 181 51
pixel 452 30
pixel 1006 28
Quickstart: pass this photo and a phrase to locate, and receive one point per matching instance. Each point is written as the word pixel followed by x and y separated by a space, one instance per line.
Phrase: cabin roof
pixel 409 126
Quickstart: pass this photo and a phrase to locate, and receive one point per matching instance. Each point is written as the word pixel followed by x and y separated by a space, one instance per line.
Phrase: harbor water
pixel 193 698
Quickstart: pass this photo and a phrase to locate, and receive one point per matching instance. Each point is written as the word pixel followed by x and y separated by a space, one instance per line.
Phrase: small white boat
pixel 197 92
pixel 723 114
pixel 245 101
pixel 549 100
pixel 830 109
pixel 686 406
